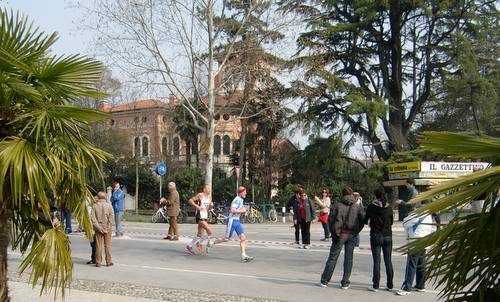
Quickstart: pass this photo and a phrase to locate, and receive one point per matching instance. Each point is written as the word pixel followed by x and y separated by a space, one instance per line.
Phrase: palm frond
pixel 456 144
pixel 50 260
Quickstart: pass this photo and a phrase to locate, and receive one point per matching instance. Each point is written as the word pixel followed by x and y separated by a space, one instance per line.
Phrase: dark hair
pixel 302 191
pixel 327 191
pixel 347 191
pixel 296 191
pixel 410 181
pixel 380 195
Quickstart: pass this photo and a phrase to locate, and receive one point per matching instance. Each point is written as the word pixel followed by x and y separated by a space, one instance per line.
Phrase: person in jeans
pixel 379 216
pixel 416 227
pixel 324 205
pixel 347 220
pixel 118 202
pixel 303 217
pixel 293 205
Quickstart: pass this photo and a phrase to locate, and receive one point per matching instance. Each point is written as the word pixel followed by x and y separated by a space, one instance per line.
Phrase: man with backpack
pixel 346 221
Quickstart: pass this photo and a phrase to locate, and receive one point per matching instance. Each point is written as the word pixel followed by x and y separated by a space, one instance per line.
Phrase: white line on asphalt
pixel 230 274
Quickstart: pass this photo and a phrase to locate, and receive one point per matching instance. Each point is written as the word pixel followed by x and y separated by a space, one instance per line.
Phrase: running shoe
pixel 190 249
pixel 344 286
pixel 208 246
pixel 373 289
pixel 321 284
pixel 246 259
pixel 201 249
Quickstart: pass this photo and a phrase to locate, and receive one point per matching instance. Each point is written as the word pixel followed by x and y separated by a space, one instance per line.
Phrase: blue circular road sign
pixel 161 168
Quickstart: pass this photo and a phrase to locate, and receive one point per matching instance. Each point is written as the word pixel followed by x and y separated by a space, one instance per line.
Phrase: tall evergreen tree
pixel 371 63
pixel 249 73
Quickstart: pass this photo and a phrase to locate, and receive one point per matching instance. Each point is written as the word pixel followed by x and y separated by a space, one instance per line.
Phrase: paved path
pixel 146 265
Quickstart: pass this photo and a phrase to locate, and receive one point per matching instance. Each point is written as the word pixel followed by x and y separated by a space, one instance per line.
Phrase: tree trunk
pixel 209 164
pixel 4 244
pixel 241 160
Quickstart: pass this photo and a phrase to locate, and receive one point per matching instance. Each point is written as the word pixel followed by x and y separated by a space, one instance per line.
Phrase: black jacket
pixel 380 218
pixel 347 216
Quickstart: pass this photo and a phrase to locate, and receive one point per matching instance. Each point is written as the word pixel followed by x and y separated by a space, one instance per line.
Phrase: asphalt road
pixel 280 270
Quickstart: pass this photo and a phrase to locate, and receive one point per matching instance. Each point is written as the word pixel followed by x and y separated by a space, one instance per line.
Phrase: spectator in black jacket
pixel 348 221
pixel 380 217
pixel 293 206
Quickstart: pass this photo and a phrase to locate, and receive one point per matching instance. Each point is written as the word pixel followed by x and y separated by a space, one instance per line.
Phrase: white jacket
pixel 418 226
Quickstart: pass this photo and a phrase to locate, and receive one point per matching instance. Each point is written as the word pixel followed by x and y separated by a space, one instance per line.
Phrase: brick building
pixel 148 128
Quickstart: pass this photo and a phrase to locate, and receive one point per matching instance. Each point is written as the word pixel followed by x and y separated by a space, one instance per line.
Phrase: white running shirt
pixel 204 204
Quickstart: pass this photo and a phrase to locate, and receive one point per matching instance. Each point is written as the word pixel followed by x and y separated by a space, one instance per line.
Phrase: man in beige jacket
pixel 173 209
pixel 102 219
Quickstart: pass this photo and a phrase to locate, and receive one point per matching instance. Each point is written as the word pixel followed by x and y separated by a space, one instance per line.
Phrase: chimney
pixel 104 106
pixel 172 99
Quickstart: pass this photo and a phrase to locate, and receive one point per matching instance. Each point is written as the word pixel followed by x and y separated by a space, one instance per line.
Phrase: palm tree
pixel 44 156
pixel 463 255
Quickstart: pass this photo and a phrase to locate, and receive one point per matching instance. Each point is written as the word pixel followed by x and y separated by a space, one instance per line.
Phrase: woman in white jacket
pixel 324 205
pixel 416 227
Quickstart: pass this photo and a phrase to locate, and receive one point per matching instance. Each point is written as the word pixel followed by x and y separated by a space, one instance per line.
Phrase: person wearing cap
pixel 233 224
pixel 118 202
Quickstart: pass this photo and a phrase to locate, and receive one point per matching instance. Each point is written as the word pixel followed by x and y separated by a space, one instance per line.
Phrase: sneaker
pixel 344 287
pixel 321 284
pixel 402 293
pixel 208 247
pixel 190 249
pixel 91 262
pixel 296 242
pixel 201 249
pixel 420 290
pixel 306 247
pixel 324 239
pixel 246 259
pixel 389 289
pixel 373 289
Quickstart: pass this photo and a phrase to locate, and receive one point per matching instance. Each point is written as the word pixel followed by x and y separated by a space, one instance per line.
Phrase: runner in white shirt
pixel 233 224
pixel 202 202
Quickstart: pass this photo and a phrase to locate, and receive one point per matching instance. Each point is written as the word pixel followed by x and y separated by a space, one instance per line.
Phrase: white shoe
pixel 420 290
pixel 372 289
pixel 322 285
pixel 306 247
pixel 402 293
pixel 344 287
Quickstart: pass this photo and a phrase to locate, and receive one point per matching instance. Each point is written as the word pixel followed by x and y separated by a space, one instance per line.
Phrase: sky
pixel 64 17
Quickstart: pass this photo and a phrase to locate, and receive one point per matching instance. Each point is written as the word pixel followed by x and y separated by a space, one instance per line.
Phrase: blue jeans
pixel 415 265
pixel 348 242
pixel 385 244
pixel 67 222
pixel 118 223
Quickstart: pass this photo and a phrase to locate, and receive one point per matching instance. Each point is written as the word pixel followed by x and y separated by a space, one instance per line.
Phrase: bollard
pixel 283 210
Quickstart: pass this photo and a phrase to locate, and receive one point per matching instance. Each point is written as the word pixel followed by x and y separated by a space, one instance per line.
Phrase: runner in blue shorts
pixel 234 225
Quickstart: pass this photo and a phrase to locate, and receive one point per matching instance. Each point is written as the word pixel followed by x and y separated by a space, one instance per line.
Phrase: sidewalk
pixel 22 292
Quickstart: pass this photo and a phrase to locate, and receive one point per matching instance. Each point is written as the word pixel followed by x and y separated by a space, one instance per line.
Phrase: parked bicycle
pixel 253 214
pixel 217 215
pixel 272 215
pixel 160 215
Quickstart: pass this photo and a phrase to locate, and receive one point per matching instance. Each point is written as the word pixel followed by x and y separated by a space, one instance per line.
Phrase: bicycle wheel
pixel 273 215
pixel 259 218
pixel 156 217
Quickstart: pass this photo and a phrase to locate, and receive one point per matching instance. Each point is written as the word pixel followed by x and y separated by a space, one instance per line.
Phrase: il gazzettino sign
pixel 433 166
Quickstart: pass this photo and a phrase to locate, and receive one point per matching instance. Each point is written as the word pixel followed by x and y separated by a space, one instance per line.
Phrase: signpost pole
pixel 160 186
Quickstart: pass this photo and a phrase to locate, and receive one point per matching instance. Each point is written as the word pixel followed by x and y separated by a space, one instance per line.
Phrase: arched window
pixel 176 147
pixel 217 145
pixel 226 145
pixel 137 147
pixel 164 146
pixel 145 146
pixel 193 142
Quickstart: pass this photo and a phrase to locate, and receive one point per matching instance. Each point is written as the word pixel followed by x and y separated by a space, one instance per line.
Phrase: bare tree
pixel 172 47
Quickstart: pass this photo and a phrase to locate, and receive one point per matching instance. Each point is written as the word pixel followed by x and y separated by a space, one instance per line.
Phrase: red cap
pixel 241 189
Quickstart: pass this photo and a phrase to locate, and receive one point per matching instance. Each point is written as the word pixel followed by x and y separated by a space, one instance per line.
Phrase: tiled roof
pixel 142 104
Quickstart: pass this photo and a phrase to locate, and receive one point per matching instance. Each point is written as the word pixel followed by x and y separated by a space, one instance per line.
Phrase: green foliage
pixel 372 63
pixel 44 155
pixel 463 255
pixel 322 165
pixel 189 181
